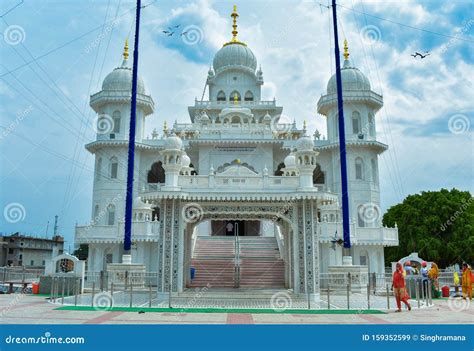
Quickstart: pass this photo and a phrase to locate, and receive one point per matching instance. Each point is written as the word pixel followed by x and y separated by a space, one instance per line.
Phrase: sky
pixel 55 54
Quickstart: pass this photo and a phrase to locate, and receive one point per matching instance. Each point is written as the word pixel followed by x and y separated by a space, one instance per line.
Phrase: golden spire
pixel 234 16
pixel 346 50
pixel 234 39
pixel 125 50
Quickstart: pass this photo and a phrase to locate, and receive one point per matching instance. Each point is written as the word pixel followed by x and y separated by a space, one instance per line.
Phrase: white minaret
pixel 172 161
pixel 112 105
pixel 360 107
pixel 305 157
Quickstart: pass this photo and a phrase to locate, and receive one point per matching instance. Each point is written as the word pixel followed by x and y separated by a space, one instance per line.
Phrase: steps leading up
pixel 260 263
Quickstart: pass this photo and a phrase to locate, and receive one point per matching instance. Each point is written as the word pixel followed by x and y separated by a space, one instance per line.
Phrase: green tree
pixel 82 252
pixel 439 225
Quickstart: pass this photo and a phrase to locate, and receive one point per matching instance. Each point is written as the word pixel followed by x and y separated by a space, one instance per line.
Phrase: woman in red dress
pixel 399 289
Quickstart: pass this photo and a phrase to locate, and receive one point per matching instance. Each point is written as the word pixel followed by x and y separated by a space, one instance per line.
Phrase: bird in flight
pixel 171 30
pixel 422 56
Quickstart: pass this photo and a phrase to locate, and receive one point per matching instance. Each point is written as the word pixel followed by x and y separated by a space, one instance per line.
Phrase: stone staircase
pixel 260 263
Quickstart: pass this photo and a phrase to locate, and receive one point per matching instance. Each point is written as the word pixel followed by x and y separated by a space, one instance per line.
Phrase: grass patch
pixel 217 310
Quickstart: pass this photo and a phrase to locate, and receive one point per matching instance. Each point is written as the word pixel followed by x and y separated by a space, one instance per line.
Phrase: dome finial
pixel 346 50
pixel 125 50
pixel 234 16
pixel 234 39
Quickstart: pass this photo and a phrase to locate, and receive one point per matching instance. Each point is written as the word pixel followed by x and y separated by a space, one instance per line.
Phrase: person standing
pixel 424 276
pixel 466 281
pixel 399 288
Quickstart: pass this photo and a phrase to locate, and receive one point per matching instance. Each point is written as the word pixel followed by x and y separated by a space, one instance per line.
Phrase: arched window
pixel 356 122
pixel 336 124
pixel 116 118
pixel 193 172
pixel 279 171
pixel 363 258
pixel 248 96
pixel 221 96
pixel 96 214
pixel 110 214
pixel 113 168
pixel 318 175
pixel 233 95
pixel 360 216
pixel 371 124
pixel 156 213
pixel 373 164
pixel 98 169
pixel 359 169
pixel 157 173
pixel 235 119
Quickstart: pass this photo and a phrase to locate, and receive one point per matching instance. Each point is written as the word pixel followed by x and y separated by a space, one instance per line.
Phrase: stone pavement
pixel 30 309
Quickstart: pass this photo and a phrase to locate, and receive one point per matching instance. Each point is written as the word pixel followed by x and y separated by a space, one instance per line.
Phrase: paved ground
pixel 29 309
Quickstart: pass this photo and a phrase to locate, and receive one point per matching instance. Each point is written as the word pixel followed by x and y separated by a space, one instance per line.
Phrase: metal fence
pixel 337 291
pixel 20 274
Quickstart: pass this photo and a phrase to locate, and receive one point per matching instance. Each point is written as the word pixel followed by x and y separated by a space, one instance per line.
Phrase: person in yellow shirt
pixel 466 281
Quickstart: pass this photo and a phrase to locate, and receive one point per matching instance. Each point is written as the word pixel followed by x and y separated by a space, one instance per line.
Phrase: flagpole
pixel 342 143
pixel 127 240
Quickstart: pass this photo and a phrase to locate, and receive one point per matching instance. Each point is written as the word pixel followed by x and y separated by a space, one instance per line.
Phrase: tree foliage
pixel 439 225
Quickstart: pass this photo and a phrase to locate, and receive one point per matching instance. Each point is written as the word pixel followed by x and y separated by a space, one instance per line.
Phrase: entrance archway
pixel 233 253
pixel 293 213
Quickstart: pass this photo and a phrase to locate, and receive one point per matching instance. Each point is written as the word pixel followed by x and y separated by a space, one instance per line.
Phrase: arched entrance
pixel 294 214
pixel 237 253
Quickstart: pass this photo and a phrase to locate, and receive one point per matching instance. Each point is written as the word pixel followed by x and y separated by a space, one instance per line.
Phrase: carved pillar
pixel 168 259
pixel 307 247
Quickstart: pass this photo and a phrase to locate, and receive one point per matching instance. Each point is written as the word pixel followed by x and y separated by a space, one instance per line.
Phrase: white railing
pixel 232 104
pixel 360 235
pixel 280 241
pixel 248 182
pixel 142 231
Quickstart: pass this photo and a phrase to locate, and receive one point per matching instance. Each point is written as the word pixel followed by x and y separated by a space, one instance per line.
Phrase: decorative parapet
pixel 142 231
pixel 328 101
pixel 359 235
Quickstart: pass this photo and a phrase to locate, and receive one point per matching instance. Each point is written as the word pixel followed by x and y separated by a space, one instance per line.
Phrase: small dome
pixel 204 117
pixel 305 143
pixel 121 79
pixel 352 79
pixel 173 142
pixel 185 160
pixel 267 117
pixel 138 204
pixel 290 161
pixel 234 55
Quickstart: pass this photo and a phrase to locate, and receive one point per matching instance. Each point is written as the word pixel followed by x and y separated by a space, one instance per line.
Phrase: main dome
pixel 235 55
pixel 352 79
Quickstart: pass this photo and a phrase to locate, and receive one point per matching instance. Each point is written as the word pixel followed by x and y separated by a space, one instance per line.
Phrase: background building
pixel 29 251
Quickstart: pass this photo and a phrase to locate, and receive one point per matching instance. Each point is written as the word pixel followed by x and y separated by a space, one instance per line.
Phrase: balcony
pixel 142 231
pixel 360 235
pixel 248 182
pixel 222 104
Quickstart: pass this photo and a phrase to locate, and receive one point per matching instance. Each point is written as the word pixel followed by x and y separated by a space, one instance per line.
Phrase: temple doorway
pixel 235 227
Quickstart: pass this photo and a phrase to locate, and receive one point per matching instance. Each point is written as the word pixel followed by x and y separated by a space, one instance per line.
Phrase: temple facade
pixel 235 197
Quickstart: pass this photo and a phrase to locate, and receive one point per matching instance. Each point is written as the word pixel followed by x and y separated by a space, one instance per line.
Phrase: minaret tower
pixel 112 105
pixel 360 107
